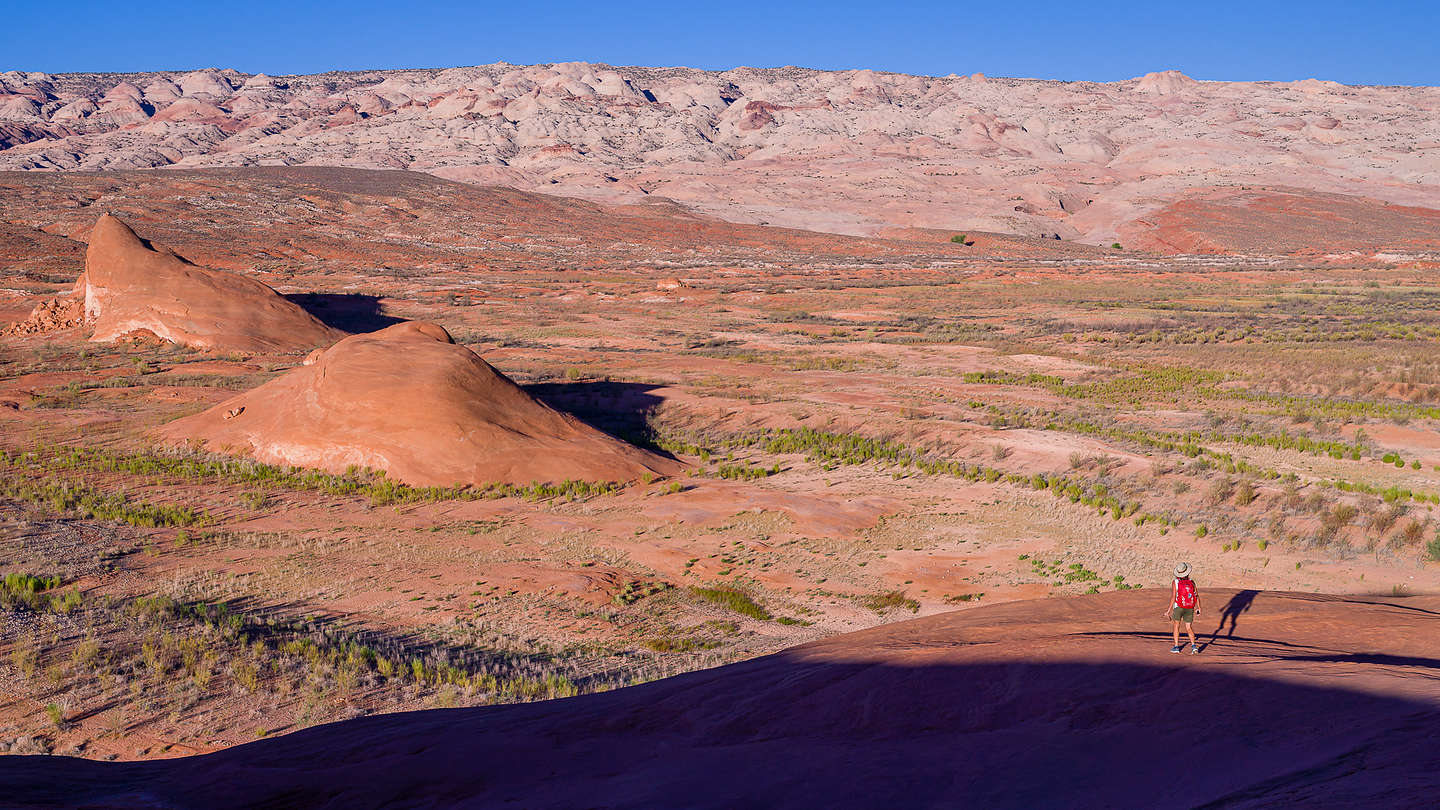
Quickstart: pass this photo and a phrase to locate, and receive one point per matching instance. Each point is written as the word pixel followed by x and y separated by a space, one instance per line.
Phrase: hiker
pixel 1184 606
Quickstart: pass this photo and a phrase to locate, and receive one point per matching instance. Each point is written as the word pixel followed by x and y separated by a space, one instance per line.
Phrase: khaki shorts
pixel 1186 615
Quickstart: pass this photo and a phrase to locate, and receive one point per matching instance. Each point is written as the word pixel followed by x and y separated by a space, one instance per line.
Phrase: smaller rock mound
pixel 409 401
pixel 1165 83
pixel 130 285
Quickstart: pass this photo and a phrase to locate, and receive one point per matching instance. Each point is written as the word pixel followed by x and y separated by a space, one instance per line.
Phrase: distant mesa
pixel 131 286
pixel 411 402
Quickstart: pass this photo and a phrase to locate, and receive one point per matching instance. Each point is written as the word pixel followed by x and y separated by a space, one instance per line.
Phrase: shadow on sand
pixel 353 312
pixel 621 409
pixel 795 731
pixel 1274 650
pixel 1238 604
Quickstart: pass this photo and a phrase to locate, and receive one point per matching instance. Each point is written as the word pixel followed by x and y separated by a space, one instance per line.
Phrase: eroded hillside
pixel 846 152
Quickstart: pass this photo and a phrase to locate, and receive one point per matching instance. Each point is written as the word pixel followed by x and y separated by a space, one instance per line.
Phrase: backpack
pixel 1185 596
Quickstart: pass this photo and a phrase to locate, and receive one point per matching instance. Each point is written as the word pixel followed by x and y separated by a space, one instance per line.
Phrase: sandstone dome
pixel 130 285
pixel 411 402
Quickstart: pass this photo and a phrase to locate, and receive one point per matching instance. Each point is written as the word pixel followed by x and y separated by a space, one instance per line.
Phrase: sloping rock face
pixel 1298 700
pixel 131 286
pixel 1246 221
pixel 409 401
pixel 843 151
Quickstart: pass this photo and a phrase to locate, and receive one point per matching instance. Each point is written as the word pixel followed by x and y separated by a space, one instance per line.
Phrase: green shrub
pixel 740 472
pixel 78 498
pixel 733 599
pixel 889 601
pixel 1245 494
pixel 23 590
pixel 1412 532
pixel 669 644
pixel 17 471
pixel 1220 491
pixel 25 659
pixel 635 590
pixel 830 450
pixel 960 239
pixel 1432 548
pixel 67 602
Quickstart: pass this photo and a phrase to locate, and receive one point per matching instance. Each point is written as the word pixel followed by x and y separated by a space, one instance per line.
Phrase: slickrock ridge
pixel 848 152
pixel 411 402
pixel 131 286
pixel 1304 699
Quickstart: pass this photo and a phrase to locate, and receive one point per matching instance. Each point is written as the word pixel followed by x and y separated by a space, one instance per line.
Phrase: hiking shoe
pixel 1175 649
pixel 1194 649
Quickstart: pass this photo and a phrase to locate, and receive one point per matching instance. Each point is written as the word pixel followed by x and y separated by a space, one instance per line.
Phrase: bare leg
pixel 1177 633
pixel 1189 628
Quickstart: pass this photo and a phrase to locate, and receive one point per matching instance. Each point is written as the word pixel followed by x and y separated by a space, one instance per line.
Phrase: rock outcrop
pixel 411 402
pixel 131 286
pixel 50 315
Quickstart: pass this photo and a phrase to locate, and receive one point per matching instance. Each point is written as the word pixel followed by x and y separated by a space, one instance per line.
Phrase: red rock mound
pixel 130 285
pixel 409 401
pixel 1298 700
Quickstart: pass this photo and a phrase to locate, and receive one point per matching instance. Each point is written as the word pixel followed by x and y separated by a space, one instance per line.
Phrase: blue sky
pixel 1394 42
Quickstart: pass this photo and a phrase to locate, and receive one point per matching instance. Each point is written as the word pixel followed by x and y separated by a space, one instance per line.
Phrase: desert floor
pixel 870 430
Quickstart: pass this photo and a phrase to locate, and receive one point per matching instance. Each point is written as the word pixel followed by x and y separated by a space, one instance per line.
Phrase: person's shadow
pixel 1239 603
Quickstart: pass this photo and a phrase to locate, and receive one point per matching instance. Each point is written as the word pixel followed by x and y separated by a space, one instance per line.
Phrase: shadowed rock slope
pixel 1303 699
pixel 411 402
pixel 131 286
